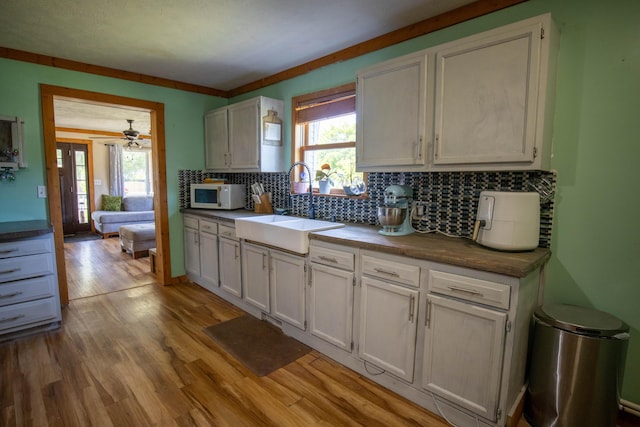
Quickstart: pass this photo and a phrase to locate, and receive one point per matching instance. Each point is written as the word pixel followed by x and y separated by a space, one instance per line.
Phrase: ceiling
pixel 219 44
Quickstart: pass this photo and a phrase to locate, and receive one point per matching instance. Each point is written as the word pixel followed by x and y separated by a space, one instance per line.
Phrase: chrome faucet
pixel 312 214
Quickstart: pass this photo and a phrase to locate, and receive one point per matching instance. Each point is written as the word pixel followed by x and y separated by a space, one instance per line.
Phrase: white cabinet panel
pixel 230 266
pixel 255 276
pixel 287 283
pixel 208 260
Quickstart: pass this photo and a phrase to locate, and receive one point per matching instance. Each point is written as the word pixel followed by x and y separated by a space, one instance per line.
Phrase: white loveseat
pixel 135 210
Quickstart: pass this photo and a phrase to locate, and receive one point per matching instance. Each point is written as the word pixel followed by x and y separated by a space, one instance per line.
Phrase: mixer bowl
pixel 391 217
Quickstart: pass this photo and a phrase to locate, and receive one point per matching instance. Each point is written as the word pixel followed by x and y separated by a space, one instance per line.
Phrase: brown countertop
pixel 219 214
pixel 14 230
pixel 461 252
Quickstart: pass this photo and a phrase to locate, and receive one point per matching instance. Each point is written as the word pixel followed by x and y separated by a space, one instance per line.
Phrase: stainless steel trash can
pixel 575 368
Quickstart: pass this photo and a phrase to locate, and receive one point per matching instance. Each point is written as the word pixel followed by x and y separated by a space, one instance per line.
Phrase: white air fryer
pixel 509 221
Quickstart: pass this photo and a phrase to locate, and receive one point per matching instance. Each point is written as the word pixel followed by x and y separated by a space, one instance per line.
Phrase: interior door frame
pixel 89 144
pixel 158 157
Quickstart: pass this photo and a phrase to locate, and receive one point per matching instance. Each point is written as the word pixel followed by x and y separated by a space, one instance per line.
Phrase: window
pixel 324 133
pixel 136 171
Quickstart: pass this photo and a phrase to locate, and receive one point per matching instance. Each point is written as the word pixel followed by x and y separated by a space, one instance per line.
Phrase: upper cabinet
pixel 488 103
pixel 390 111
pixel 245 137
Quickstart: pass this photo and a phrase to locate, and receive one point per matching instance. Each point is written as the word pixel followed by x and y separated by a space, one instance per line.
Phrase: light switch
pixel 42 192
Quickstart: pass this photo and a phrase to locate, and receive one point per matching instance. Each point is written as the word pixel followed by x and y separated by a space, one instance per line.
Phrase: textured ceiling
pixel 221 44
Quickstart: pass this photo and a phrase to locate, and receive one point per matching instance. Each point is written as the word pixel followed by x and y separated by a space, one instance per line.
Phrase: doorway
pixel 73 172
pixel 156 110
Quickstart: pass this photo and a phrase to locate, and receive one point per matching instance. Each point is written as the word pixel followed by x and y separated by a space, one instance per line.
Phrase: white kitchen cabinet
pixel 388 323
pixel 392 114
pixel 230 264
pixel 208 242
pixel 191 248
pixel 491 105
pixel 235 138
pixel 288 278
pixel 255 276
pixel 29 297
pixel 331 296
pixel 463 353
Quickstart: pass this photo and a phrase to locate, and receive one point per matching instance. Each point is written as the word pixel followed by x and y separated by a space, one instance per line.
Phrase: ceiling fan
pixel 131 136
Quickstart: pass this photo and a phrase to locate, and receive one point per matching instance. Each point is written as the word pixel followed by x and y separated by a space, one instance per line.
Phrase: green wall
pixel 184 134
pixel 595 142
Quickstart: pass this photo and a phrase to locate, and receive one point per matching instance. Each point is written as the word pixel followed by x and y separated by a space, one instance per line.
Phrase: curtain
pixel 116 179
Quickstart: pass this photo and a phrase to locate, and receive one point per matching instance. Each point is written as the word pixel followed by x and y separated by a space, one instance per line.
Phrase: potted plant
pixel 323 176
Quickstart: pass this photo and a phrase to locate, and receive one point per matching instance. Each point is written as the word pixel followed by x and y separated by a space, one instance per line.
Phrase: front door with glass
pixel 73 172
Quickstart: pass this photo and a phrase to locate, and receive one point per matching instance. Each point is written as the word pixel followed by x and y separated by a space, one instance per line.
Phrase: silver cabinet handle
pixel 8 251
pixel 13 294
pixel 412 306
pixel 327 259
pixel 264 258
pixel 11 270
pixel 427 318
pixel 11 319
pixel 465 291
pixel 388 273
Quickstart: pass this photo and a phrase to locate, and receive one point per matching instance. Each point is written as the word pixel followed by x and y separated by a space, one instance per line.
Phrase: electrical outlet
pixel 42 192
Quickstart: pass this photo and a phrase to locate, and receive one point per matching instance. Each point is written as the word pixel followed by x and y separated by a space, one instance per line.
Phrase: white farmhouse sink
pixel 285 232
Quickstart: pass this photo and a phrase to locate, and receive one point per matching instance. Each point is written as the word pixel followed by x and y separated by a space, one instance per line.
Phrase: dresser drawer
pixel 331 257
pixel 470 289
pixel 208 227
pixel 25 247
pixel 26 313
pixel 25 267
pixel 228 232
pixel 391 270
pixel 27 290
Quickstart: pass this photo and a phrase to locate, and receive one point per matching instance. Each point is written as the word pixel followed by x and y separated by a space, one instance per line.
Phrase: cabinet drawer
pixel 326 256
pixel 391 270
pixel 209 227
pixel 190 222
pixel 27 290
pixel 12 316
pixel 25 267
pixel 470 289
pixel 25 247
pixel 228 232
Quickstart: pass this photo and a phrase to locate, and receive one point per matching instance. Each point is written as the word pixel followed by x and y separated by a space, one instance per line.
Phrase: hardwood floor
pixel 99 267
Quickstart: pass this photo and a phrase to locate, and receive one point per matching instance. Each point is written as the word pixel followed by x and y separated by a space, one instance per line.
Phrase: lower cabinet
pixel 191 248
pixel 388 325
pixel 230 262
pixel 255 276
pixel 208 238
pixel 288 276
pixel 463 352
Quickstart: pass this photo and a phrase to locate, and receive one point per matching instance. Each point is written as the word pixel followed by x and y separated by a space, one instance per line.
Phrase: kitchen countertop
pixel 14 230
pixel 461 252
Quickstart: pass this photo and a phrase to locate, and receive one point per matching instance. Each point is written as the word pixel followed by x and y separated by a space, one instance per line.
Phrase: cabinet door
pixel 255 276
pixel 388 315
pixel 463 350
pixel 391 102
pixel 191 253
pixel 216 139
pixel 208 260
pixel 244 135
pixel 287 285
pixel 331 295
pixel 487 99
pixel 230 273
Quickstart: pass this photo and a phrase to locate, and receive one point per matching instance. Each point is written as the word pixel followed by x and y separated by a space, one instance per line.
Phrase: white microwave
pixel 218 196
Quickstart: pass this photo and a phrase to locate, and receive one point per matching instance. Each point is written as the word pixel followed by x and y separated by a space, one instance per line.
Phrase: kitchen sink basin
pixel 285 232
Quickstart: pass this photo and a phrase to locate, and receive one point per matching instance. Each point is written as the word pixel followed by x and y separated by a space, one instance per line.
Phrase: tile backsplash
pixel 450 198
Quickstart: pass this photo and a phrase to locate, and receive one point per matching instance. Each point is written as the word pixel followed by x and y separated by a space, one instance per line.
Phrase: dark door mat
pixel 257 344
pixel 81 237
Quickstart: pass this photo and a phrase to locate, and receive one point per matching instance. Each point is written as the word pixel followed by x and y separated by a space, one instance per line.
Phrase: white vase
pixel 325 187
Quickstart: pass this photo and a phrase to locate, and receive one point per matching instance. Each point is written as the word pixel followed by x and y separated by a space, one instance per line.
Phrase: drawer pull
pixel 412 307
pixel 13 294
pixel 12 270
pixel 427 318
pixel 8 251
pixel 327 259
pixel 11 319
pixel 388 273
pixel 466 291
pixel 228 234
